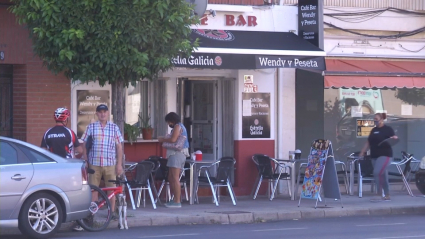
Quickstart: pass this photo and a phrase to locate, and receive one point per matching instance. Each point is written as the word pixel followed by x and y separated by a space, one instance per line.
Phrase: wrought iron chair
pixel 141 181
pixel 266 172
pixel 225 168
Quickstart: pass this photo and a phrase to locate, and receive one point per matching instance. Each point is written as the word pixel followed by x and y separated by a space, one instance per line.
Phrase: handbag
pixel 178 145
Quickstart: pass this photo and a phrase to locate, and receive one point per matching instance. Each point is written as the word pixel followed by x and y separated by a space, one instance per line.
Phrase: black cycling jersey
pixel 60 140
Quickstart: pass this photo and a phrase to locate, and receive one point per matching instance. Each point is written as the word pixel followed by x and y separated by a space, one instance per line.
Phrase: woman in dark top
pixel 381 154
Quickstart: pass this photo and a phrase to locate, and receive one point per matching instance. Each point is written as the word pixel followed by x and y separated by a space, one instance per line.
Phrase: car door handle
pixel 18 177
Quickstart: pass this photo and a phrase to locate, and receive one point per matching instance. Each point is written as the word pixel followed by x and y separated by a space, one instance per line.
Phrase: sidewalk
pixel 263 210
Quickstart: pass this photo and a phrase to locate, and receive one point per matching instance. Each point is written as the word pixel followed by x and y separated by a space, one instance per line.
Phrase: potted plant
pixel 131 132
pixel 145 126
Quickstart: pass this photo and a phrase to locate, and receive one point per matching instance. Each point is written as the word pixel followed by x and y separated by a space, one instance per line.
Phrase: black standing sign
pixel 256 115
pixel 308 21
pixel 87 101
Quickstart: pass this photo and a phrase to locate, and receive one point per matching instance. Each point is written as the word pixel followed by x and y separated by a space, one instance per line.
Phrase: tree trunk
pixel 118 104
pixel 118 108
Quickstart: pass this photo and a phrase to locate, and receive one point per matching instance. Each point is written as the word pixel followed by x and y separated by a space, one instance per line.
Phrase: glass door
pixel 204 119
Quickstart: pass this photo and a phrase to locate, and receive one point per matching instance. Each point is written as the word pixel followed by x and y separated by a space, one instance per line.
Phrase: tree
pixel 110 41
pixel 411 96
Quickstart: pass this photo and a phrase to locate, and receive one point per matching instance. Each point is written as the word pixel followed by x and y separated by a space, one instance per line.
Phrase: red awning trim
pixel 374 74
pixel 374 82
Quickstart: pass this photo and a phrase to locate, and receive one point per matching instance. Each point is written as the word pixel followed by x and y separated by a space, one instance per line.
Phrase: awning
pixel 222 49
pixel 374 73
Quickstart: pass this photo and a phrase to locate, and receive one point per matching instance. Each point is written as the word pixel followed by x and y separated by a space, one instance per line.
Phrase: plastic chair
pixel 266 171
pixel 141 181
pixel 225 168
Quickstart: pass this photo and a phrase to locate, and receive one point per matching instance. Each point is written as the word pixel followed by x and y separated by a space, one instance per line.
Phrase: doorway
pixel 6 109
pixel 206 107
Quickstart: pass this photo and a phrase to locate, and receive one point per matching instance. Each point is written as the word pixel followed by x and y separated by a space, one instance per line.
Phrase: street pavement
pixel 263 210
pixel 367 227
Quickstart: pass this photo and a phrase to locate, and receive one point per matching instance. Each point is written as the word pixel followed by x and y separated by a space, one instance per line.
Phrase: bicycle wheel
pixel 101 213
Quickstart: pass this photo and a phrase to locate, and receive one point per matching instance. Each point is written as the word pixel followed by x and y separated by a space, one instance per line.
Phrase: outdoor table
pixel 292 165
pixel 193 177
pixel 352 166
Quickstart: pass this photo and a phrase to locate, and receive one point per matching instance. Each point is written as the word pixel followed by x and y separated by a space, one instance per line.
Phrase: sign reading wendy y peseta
pixel 256 115
pixel 87 101
pixel 308 20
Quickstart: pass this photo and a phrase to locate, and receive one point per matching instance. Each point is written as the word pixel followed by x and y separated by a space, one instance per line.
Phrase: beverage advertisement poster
pixel 315 169
pixel 87 101
pixel 256 115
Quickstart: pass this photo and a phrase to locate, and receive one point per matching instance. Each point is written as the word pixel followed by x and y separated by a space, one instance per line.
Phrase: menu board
pixel 255 115
pixel 87 101
pixel 364 127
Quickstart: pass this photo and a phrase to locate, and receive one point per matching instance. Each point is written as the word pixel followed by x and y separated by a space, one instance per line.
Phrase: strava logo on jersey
pixel 56 136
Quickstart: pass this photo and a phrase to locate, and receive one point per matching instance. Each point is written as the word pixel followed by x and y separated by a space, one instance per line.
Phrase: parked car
pixel 40 190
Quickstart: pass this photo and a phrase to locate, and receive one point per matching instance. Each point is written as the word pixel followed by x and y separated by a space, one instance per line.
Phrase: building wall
pixel 36 91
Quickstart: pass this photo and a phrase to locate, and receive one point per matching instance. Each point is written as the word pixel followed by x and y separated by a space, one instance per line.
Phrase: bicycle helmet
pixel 61 114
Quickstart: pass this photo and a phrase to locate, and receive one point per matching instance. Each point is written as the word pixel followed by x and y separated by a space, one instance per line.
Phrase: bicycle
pixel 101 213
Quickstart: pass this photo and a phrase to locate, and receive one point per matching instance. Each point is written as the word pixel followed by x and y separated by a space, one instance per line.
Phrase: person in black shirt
pixel 59 139
pixel 381 154
pixel 62 141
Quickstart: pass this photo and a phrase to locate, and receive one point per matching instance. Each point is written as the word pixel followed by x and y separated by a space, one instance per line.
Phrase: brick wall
pixel 36 91
pixel 237 2
pixel 45 93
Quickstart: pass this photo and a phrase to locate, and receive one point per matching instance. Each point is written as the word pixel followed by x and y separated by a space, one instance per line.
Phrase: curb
pixel 261 217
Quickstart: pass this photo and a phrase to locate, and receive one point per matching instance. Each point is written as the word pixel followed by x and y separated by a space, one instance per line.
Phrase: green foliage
pixel 132 132
pixel 107 40
pixel 411 96
pixel 145 121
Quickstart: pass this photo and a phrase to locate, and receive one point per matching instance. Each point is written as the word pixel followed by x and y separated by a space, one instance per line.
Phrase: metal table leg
pixel 351 182
pixel 191 188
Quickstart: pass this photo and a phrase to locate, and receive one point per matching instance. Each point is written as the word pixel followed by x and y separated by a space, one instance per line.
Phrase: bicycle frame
pixel 122 204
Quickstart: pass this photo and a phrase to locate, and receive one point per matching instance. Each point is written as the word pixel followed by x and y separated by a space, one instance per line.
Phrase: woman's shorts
pixel 176 159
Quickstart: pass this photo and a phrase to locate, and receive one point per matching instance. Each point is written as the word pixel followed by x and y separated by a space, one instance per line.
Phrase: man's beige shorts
pixel 108 173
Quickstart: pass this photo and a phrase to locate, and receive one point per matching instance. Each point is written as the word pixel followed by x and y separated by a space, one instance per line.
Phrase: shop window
pixel 348 114
pixel 147 99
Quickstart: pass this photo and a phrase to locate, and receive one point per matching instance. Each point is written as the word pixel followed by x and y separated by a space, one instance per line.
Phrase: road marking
pixel 174 235
pixel 280 229
pixel 388 224
pixel 421 236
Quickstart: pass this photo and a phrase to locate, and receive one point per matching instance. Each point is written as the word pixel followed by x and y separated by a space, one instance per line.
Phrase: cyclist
pixel 61 140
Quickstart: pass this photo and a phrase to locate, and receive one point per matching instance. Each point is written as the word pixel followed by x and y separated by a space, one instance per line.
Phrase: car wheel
pixel 40 216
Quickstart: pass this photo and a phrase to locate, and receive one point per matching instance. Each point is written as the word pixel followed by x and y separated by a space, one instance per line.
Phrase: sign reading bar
pixel 256 115
pixel 87 101
pixel 364 127
pixel 246 61
pixel 308 20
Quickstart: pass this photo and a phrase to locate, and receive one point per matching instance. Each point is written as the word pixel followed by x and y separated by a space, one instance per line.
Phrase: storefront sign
pixel 308 20
pixel 87 101
pixel 235 20
pixel 290 62
pixel 249 87
pixel 364 127
pixel 256 115
pixel 245 61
